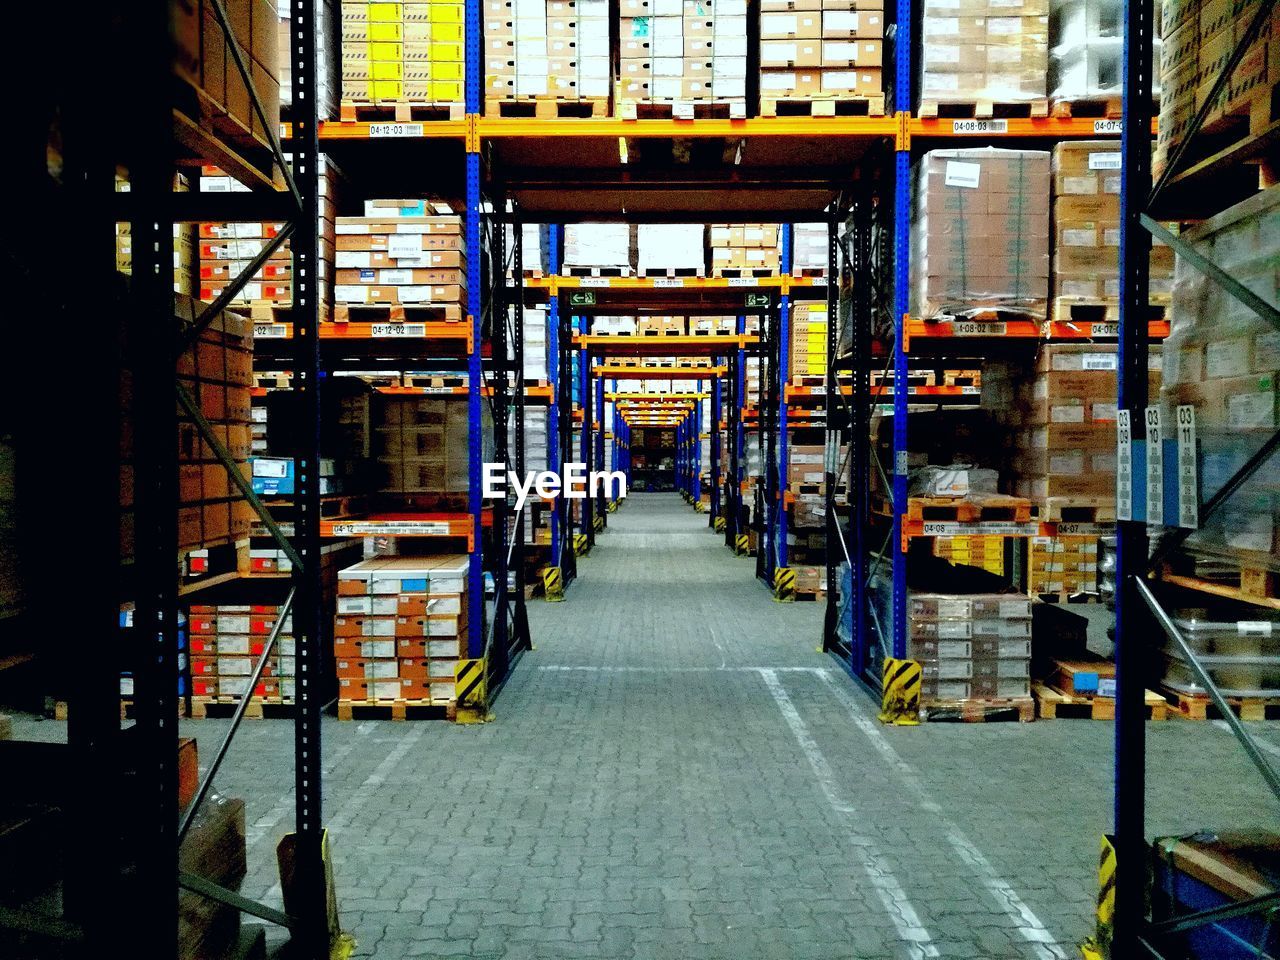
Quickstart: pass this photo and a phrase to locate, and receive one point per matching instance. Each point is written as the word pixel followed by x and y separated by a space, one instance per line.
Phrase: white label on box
pixel 961 174
pixel 1079 237
pixel 1014 609
pixel 954 629
pixel 974 127
pixel 1105 161
pixel 1251 410
pixel 1098 361
pixel 404 245
pixel 953 608
pixel 1254 628
pixel 395 130
pixel 270 331
pixel 1188 470
pixel 1124 469
pixel 395 278
pixel 1106 686
pixel 1103 411
pixel 399 330
pixel 1066 413
pixel 1155 466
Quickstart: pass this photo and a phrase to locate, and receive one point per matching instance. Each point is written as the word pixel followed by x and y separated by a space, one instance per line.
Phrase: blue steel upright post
pixel 715 446
pixel 901 304
pixel 553 377
pixel 599 452
pixel 740 433
pixel 586 380
pixel 475 380
pixel 784 363
pixel 697 449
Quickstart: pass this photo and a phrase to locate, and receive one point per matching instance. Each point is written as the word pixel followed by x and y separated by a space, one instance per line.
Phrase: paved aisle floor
pixel 676 772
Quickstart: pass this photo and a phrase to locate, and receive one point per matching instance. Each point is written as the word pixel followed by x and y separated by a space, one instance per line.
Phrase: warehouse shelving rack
pixel 1187 189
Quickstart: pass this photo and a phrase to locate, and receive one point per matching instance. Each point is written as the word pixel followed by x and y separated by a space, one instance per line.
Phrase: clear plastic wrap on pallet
pixel 980 232
pixel 534 328
pixel 394 52
pixel 1222 359
pixel 809 247
pixel 597 245
pixel 983 51
pixel 667 246
pixel 533 247
pixel 546 50
pixel 682 50
pixel 1242 656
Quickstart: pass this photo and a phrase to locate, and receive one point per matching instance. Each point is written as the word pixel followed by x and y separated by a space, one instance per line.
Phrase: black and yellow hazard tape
pixel 900 704
pixel 470 691
pixel 742 545
pixel 598 523
pixel 580 545
pixel 784 585
pixel 613 506
pixel 553 584
pixel 1105 915
pixel 719 525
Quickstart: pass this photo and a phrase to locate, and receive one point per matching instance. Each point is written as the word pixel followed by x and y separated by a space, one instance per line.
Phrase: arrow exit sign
pixel 582 298
pixel 757 299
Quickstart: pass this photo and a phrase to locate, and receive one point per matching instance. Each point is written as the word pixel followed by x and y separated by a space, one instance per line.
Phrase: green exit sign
pixel 757 300
pixel 582 298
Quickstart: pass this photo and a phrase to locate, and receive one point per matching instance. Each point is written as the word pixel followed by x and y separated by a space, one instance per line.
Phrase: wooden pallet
pixel 1239 137
pixel 983 109
pixel 1197 707
pixel 991 507
pixel 740 273
pixel 1080 312
pixel 1076 510
pixel 682 109
pixel 596 271
pixel 1053 704
pixel 397 709
pixel 1087 108
pixel 672 272
pixel 810 273
pixel 809 380
pixel 546 108
pixel 258 709
pixel 437 381
pixel 829 107
pixel 268 311
pixel 397 312
pixel 1066 597
pixel 395 111
pixel 529 273
pixel 1021 709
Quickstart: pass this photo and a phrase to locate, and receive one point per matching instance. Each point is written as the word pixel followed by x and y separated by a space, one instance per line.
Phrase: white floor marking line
pixel 1264 745
pixel 892 896
pixel 553 668
pixel 1029 925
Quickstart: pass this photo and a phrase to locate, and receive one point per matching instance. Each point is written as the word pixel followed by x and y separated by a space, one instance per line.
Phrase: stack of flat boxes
pixel 600 245
pixel 227 641
pixel 202 58
pixel 748 248
pixel 1086 226
pixel 976 550
pixel 402 52
pixel 984 51
pixel 683 52
pixel 1064 564
pixel 713 326
pixel 218 373
pixel 980 232
pixel 821 50
pixel 546 50
pixel 400 255
pixel 809 250
pixel 401 628
pixel 661 326
pixel 184 242
pixel 971 646
pixel 1198 38
pixel 422 445
pixel 665 247
pixel 807 356
pixel 1088 41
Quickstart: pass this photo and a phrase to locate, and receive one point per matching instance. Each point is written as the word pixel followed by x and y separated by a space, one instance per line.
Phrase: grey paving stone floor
pixel 676 772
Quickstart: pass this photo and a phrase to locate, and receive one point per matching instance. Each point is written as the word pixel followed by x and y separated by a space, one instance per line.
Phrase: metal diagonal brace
pixel 1202 677
pixel 1260 18
pixel 267 647
pixel 1214 272
pixel 214 891
pixel 232 290
pixel 233 470
pixel 273 136
pixel 1228 911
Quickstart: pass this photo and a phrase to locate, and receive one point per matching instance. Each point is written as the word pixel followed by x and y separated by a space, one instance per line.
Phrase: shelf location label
pixel 950 528
pixel 1108 126
pixel 593 281
pixel 743 282
pixel 974 127
pixel 398 528
pixel 978 328
pixel 395 130
pixel 667 282
pixel 1124 465
pixel 1104 328
pixel 270 331
pixel 398 329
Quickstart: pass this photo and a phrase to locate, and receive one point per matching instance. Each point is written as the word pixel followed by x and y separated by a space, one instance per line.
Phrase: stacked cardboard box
pixel 807 356
pixel 613 326
pixel 747 249
pixel 227 641
pixel 546 51
pixel 1222 359
pixel 809 250
pixel 1086 228
pixel 1088 40
pixel 184 242
pixel 663 248
pixel 983 51
pixel 977 550
pixel 1063 564
pixel 401 254
pixel 422 445
pixel 202 58
pixel 409 53
pixel 682 52
pixel 713 326
pixel 661 326
pixel 819 51
pixel 980 232
pixel 971 646
pixel 599 245
pixel 401 628
pixel 1198 38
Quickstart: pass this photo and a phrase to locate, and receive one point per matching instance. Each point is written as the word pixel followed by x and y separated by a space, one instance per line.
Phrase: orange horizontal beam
pixel 658 373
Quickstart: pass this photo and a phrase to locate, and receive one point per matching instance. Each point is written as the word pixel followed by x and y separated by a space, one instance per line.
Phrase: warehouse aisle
pixel 675 772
